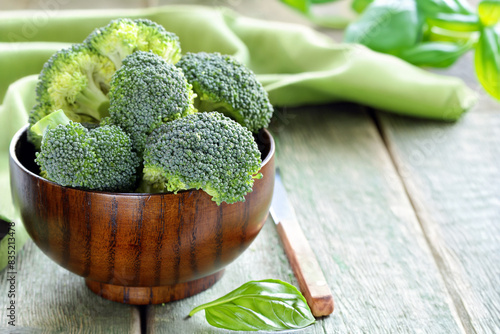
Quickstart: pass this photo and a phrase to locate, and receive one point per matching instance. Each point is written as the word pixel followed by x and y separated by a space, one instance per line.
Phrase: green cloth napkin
pixel 16 104
pixel 296 64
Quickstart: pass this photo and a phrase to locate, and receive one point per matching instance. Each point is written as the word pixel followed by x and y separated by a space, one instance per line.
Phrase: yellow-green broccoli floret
pixel 206 151
pixel 98 159
pixel 122 37
pixel 223 84
pixel 146 92
pixel 76 80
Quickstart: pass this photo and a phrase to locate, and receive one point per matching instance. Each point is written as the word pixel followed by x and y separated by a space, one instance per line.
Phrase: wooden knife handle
pixel 311 280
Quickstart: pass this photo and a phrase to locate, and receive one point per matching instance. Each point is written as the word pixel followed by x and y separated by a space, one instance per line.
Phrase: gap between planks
pixel 458 304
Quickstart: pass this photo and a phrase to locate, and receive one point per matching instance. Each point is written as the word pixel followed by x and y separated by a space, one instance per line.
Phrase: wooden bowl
pixel 138 248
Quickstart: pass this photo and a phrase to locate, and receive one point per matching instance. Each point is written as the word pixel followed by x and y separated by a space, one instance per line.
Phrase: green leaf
pixel 464 6
pixel 321 1
pixel 434 54
pixel 432 8
pixel 437 34
pixel 489 12
pixel 304 6
pixel 487 60
pixel 386 26
pixel 270 305
pixel 455 22
pixel 359 6
pixel 300 5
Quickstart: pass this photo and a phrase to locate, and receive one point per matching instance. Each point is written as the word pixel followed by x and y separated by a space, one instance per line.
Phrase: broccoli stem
pixel 205 105
pixel 93 101
pixel 116 57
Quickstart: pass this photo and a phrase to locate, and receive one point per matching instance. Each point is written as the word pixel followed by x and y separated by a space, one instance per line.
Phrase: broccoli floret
pixel 37 130
pixel 98 159
pixel 206 151
pixel 223 84
pixel 76 80
pixel 145 92
pixel 39 111
pixel 122 37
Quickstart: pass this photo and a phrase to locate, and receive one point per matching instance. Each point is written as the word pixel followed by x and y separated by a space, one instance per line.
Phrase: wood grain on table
pixel 403 215
pixel 50 299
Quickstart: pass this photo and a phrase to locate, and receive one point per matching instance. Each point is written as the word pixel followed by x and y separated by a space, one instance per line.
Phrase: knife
pixel 305 266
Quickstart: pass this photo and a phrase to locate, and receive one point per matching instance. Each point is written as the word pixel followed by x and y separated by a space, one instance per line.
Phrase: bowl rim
pixel 13 156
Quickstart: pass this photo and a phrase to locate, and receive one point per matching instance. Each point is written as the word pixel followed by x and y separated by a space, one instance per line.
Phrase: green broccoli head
pixel 98 159
pixel 221 83
pixel 76 80
pixel 122 37
pixel 146 92
pixel 202 151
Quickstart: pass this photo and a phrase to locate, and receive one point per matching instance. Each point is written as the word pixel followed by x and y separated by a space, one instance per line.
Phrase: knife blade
pixel 310 277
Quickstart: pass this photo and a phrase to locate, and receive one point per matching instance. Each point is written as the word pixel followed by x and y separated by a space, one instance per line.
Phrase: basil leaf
pixel 270 305
pixel 304 6
pixel 322 1
pixel 464 6
pixel 300 5
pixel 434 54
pixel 455 22
pixel 437 34
pixel 487 60
pixel 386 26
pixel 432 8
pixel 360 5
pixel 489 12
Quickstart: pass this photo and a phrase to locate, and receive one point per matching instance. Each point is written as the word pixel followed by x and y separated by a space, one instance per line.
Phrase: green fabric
pixel 13 116
pixel 296 64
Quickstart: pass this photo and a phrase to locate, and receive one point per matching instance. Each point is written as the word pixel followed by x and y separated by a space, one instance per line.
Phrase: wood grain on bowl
pixel 138 248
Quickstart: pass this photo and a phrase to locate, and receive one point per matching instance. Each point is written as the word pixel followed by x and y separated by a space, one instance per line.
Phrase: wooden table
pixel 403 215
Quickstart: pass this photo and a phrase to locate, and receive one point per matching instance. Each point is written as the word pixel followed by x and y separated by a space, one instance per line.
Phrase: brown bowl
pixel 138 248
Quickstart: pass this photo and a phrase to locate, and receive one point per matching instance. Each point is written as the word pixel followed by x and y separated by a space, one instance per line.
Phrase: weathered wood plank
pixel 355 213
pixel 50 299
pixel 452 173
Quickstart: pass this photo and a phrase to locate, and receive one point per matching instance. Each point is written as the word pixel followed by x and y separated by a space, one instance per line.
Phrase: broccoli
pixel 225 85
pixel 37 130
pixel 146 92
pixel 76 80
pixel 122 37
pixel 121 110
pixel 71 155
pixel 203 150
pixel 38 112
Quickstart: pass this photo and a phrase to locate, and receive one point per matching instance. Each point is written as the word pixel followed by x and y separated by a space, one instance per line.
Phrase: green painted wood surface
pixel 452 174
pixel 50 299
